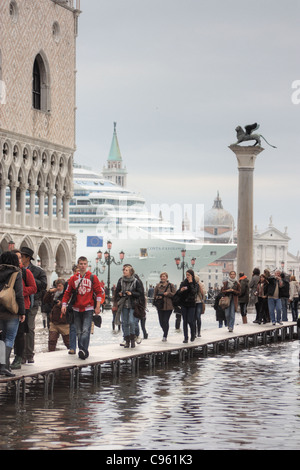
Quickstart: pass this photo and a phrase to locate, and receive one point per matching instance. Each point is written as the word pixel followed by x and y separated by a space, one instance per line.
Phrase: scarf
pixel 127 284
pixel 231 283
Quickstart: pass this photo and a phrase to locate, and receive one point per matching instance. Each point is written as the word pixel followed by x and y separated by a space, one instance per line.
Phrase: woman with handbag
pixel 231 288
pixel 163 294
pixel 128 291
pixel 188 290
pixel 12 310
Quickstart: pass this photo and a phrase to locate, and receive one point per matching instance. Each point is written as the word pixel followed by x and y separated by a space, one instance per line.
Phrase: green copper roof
pixel 114 153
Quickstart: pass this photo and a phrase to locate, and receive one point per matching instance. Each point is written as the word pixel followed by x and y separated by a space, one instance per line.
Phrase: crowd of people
pixel 73 306
pixel 272 294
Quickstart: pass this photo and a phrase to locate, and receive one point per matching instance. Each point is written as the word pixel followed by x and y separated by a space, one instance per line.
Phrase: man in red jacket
pixel 84 304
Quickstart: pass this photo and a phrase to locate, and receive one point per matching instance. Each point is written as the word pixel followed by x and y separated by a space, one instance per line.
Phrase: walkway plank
pixel 48 362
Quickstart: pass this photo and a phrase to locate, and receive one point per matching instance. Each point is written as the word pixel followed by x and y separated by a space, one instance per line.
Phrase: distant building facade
pixel 37 127
pixel 270 247
pixel 115 171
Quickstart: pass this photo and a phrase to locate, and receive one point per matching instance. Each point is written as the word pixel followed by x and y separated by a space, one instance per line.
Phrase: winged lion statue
pixel 245 135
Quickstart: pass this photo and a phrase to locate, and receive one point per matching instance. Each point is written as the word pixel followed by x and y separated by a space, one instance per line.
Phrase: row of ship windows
pixel 112 202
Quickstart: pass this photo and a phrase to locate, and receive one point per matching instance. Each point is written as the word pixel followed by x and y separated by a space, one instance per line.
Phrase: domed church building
pixel 218 224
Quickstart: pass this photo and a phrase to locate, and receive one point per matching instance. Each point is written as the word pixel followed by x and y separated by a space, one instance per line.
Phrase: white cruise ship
pixel 102 211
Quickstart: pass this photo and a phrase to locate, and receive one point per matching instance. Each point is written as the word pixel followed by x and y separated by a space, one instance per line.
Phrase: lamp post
pixel 183 265
pixel 108 260
pixel 98 258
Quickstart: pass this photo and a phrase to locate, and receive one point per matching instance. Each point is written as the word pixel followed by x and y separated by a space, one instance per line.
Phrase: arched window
pixel 36 86
pixel 41 84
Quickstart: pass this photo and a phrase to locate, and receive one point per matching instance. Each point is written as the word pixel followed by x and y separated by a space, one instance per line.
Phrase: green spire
pixel 114 153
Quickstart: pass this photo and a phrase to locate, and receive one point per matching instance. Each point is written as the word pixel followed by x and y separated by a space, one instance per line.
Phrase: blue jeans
pixel 83 324
pixel 230 314
pixel 294 306
pixel 274 304
pixel 128 322
pixel 73 336
pixel 284 308
pixel 188 315
pixel 199 308
pixel 10 330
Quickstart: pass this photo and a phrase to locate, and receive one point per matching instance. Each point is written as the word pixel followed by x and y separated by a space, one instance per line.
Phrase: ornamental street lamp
pixel 108 260
pixel 183 265
pixel 98 269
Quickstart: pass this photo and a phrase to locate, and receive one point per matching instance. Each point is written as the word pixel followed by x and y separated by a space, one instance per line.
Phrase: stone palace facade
pixel 37 128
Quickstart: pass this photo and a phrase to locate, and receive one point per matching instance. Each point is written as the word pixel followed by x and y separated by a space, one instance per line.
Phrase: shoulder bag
pixel 159 300
pixel 8 295
pixel 224 302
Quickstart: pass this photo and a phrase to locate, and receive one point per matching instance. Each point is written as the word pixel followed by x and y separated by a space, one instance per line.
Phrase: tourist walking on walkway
pixel 163 294
pixel 284 295
pixel 232 289
pixel 29 289
pixel 220 313
pixel 9 322
pixel 86 285
pixel 253 299
pixel 58 324
pixel 262 295
pixel 36 300
pixel 274 301
pixel 128 292
pixel 244 296
pixel 294 297
pixel 188 293
pixel 200 305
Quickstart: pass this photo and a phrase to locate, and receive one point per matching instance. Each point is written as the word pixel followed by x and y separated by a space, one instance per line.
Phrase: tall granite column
pixel 246 156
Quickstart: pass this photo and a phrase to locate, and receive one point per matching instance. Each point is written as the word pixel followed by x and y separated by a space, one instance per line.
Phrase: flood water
pixel 244 400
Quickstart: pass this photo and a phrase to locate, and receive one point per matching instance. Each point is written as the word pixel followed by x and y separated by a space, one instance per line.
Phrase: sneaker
pixel 138 340
pixel 81 354
pixel 72 351
pixel 164 339
pixel 185 341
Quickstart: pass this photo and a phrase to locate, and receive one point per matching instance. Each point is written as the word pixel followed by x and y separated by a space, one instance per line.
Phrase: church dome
pixel 218 217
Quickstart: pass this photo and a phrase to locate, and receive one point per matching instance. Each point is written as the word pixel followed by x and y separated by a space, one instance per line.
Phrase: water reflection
pixel 244 400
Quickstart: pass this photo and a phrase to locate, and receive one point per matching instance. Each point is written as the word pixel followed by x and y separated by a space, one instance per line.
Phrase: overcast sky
pixel 178 76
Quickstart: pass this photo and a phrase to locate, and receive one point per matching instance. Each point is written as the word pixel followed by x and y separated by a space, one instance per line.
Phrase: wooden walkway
pixel 212 341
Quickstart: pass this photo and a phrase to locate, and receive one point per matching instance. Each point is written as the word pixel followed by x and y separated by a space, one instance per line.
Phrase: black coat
pixel 283 289
pixel 137 292
pixel 188 296
pixel 40 280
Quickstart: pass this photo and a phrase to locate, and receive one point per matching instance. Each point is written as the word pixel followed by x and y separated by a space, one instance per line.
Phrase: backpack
pixel 8 295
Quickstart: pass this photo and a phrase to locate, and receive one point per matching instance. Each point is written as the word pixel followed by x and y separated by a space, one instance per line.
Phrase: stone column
pixel 41 195
pixel 51 193
pixel 32 189
pixel 23 189
pixel 246 157
pixel 13 202
pixel 59 195
pixel 3 185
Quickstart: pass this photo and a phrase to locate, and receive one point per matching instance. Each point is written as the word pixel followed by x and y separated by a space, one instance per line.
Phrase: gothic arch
pixel 41 83
pixel 4 242
pixel 45 253
pixel 27 241
pixel 63 258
